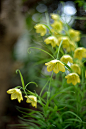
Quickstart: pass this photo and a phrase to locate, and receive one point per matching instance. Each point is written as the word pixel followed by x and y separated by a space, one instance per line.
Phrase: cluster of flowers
pixel 17 94
pixel 68 40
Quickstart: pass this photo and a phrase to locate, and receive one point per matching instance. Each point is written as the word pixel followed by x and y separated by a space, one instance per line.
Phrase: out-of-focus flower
pixel 15 94
pixel 65 43
pixel 74 35
pixel 66 59
pixel 54 16
pixel 57 25
pixel 80 53
pixel 76 68
pixel 32 99
pixel 71 47
pixel 55 65
pixel 51 40
pixel 73 78
pixel 79 62
pixel 40 28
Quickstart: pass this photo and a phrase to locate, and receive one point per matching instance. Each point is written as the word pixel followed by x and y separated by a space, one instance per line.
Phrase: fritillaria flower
pixel 66 59
pixel 74 35
pixel 51 40
pixel 73 78
pixel 40 28
pixel 80 53
pixel 71 47
pixel 76 68
pixel 65 41
pixel 55 65
pixel 32 99
pixel 57 25
pixel 15 94
pixel 54 16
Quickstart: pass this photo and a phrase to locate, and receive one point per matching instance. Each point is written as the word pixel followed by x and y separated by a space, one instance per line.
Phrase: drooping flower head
pixel 73 78
pixel 32 99
pixel 54 16
pixel 15 94
pixel 71 47
pixel 51 40
pixel 80 53
pixel 40 28
pixel 74 35
pixel 66 58
pixel 57 25
pixel 66 41
pixel 79 62
pixel 76 68
pixel 55 65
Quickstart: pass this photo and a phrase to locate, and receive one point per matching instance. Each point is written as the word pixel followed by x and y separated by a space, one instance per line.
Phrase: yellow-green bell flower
pixel 74 35
pixel 73 78
pixel 15 94
pixel 55 65
pixel 76 68
pixel 65 43
pixel 32 99
pixel 51 40
pixel 71 47
pixel 80 53
pixel 40 28
pixel 57 25
pixel 66 59
pixel 79 62
pixel 54 16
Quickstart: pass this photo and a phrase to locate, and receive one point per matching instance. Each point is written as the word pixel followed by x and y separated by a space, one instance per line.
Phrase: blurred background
pixel 17 34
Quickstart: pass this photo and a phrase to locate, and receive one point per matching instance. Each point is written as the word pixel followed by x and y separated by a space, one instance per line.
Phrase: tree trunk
pixel 11 27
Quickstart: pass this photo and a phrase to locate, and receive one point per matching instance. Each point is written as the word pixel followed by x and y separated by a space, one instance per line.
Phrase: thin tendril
pixel 41 50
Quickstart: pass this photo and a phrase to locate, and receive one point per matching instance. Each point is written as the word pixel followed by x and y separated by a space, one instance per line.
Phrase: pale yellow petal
pixel 51 40
pixel 20 98
pixel 10 91
pixel 61 67
pixel 57 25
pixel 74 34
pixel 49 68
pixel 56 68
pixel 66 59
pixel 80 53
pixel 74 82
pixel 40 28
pixel 76 68
pixel 73 78
pixel 32 99
pixel 69 80
pixel 34 104
pixel 13 96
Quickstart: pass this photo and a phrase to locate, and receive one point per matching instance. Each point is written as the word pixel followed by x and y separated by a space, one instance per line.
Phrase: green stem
pixel 22 80
pixel 30 83
pixel 44 88
pixel 47 19
pixel 50 81
pixel 79 18
pixel 59 49
pixel 49 89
